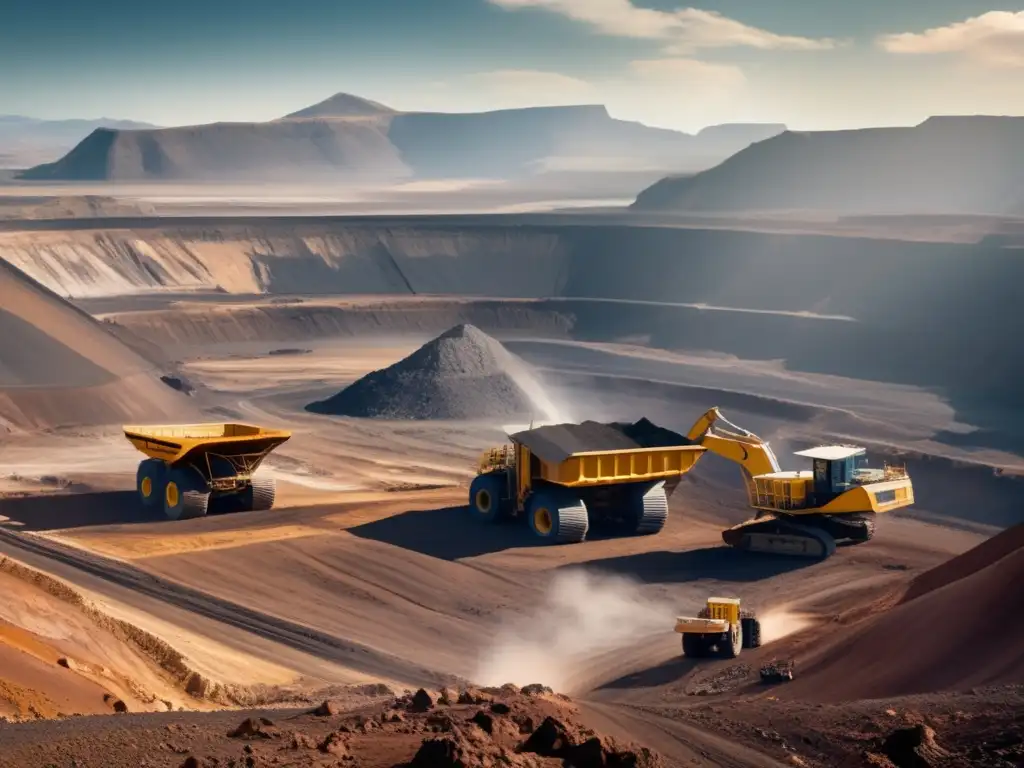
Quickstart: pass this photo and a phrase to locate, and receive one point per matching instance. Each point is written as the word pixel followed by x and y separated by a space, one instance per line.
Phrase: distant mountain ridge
pixel 348 137
pixel 26 141
pixel 944 165
pixel 344 105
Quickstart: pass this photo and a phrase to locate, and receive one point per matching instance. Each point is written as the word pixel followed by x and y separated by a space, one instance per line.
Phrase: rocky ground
pixel 981 729
pixel 509 726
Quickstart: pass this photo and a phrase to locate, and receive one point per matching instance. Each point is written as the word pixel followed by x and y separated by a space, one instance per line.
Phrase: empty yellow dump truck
pixel 195 469
pixel 565 479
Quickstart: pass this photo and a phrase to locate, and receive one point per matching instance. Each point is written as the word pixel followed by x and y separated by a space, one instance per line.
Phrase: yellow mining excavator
pixel 803 513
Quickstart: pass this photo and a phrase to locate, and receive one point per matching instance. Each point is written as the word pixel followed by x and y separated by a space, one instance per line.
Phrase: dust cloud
pixel 778 623
pixel 583 615
pixel 546 405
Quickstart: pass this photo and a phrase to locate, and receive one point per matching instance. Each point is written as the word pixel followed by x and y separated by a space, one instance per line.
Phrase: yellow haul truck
pixel 565 479
pixel 719 628
pixel 803 513
pixel 194 469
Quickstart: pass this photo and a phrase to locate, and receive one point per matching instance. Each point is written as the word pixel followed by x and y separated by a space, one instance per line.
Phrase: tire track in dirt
pixel 354 656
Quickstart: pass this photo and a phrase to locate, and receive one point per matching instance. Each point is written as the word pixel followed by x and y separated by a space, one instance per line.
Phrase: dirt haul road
pixel 83 568
pixel 412 591
pixel 592 632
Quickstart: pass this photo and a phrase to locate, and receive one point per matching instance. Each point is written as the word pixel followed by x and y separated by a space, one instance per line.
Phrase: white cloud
pixel 508 89
pixel 677 92
pixel 684 30
pixel 724 76
pixel 667 92
pixel 995 38
pixel 533 85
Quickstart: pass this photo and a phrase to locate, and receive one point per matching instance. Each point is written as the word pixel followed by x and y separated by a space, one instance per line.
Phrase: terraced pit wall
pixel 932 314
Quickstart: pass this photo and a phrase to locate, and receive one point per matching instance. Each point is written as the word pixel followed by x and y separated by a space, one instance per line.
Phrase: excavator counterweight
pixel 803 513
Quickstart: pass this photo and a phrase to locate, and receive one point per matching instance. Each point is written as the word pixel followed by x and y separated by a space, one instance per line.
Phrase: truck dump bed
pixel 189 443
pixel 593 453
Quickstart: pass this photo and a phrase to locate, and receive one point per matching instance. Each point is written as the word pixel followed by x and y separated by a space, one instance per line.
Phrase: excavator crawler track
pixel 779 535
pixel 856 527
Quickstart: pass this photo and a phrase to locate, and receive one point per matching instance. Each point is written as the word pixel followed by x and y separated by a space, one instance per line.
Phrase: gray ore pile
pixel 462 374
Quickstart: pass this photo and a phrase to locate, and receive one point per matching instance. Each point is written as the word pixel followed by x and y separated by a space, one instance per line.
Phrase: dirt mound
pixel 468 729
pixel 557 442
pixel 971 561
pixel 59 367
pixel 962 626
pixel 462 374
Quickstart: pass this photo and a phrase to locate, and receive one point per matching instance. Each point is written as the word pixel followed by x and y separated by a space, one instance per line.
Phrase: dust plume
pixel 777 623
pixel 583 615
pixel 546 404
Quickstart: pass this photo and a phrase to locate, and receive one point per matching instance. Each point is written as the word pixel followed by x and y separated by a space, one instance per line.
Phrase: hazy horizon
pixel 827 66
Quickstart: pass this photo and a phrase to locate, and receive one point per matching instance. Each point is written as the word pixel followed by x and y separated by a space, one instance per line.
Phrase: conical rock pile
pixel 462 374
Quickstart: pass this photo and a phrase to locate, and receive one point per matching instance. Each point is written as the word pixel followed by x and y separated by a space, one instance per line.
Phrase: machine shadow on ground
pixel 667 672
pixel 448 533
pixel 48 512
pixel 720 563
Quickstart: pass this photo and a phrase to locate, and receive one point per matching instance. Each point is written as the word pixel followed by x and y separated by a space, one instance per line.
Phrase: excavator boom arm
pixel 754 458
pixel 719 435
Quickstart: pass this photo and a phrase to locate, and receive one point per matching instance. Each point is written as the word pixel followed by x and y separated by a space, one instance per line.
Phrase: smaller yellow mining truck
pixel 720 628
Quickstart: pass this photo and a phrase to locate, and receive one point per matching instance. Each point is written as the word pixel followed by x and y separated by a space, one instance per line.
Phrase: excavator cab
pixel 834 469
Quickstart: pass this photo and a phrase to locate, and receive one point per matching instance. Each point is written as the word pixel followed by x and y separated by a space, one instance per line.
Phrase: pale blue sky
pixel 822 64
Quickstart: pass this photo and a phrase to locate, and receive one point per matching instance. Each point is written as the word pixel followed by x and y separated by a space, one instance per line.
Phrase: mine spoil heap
pixel 915 647
pixel 462 374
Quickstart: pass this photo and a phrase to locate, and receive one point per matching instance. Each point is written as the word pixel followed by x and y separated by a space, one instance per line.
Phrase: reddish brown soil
pixel 981 729
pixel 470 729
pixel 967 631
pixel 971 561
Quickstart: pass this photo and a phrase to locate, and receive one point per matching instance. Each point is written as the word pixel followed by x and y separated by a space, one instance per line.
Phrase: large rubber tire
pixel 557 517
pixel 261 495
pixel 650 505
pixel 731 643
pixel 186 494
pixel 228 503
pixel 695 646
pixel 751 632
pixel 150 478
pixel 487 495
